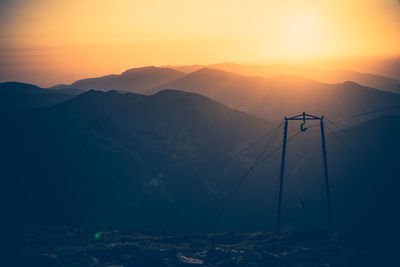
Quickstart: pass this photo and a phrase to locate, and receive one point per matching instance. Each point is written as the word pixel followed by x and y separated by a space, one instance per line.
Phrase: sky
pixel 47 42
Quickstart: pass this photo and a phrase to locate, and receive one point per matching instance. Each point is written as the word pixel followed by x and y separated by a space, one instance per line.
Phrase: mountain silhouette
pixel 121 159
pixel 325 76
pixel 280 96
pixel 63 88
pixel 136 80
pixel 142 162
pixel 14 95
pixel 270 98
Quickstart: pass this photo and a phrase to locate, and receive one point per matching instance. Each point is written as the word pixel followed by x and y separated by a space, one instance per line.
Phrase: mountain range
pixel 321 75
pixel 121 159
pixel 143 79
pixel 153 162
pixel 268 98
pixel 280 96
pixel 136 80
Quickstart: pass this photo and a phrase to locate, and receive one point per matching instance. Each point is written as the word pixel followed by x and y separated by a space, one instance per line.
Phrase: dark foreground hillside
pixel 142 163
pixel 121 159
pixel 178 162
pixel 64 246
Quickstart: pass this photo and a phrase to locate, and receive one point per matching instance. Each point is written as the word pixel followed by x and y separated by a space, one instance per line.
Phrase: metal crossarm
pixel 304 116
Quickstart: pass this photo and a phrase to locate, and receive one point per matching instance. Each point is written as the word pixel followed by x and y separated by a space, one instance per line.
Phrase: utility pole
pixel 303 117
pixel 278 217
pixel 328 193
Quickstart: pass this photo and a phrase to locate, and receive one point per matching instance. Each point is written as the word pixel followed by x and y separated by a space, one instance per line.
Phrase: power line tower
pixel 303 117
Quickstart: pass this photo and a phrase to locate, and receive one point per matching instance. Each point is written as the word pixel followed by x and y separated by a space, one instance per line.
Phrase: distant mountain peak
pixel 150 69
pixel 25 88
pixel 170 91
pixel 136 80
pixel 13 84
pixel 178 93
pixel 290 79
pixel 211 71
pixel 350 83
pixel 15 95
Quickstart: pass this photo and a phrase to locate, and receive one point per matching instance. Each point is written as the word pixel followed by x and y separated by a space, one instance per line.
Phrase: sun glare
pixel 301 35
pixel 47 42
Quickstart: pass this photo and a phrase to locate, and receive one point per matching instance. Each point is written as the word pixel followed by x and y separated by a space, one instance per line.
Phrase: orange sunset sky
pixel 48 42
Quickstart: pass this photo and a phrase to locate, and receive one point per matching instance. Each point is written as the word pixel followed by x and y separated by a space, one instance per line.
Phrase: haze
pixel 47 42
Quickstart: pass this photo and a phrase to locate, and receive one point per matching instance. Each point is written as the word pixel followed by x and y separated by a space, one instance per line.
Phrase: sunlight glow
pixel 300 35
pixel 76 39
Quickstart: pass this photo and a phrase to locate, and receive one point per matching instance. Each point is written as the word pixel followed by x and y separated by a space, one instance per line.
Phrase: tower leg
pixel 278 215
pixel 328 194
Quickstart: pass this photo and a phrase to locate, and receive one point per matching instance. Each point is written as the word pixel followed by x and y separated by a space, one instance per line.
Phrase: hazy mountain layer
pixel 326 76
pixel 269 98
pixel 281 96
pixel 136 80
pixel 15 95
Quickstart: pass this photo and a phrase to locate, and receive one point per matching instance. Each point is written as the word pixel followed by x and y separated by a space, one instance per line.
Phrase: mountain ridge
pixel 135 80
pixel 15 95
pixel 118 156
pixel 327 76
pixel 279 96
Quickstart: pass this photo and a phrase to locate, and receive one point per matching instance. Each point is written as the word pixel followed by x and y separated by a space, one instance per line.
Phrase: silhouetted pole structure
pixel 278 217
pixel 328 193
pixel 304 117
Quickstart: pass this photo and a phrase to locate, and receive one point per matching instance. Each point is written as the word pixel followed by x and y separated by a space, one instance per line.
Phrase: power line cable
pixel 231 159
pixel 367 113
pixel 242 178
pixel 351 136
pixel 244 175
pixel 270 141
pixel 342 142
pixel 248 147
pixel 358 115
